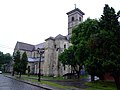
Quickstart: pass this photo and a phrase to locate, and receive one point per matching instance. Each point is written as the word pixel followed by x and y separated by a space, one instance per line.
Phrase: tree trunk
pixel 101 77
pixel 77 72
pixel 20 75
pixel 78 75
pixel 117 81
pixel 13 72
pixel 92 78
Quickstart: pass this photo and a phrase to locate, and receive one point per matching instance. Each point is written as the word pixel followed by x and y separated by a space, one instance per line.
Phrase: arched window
pixel 80 19
pixel 64 46
pixel 55 46
pixel 72 18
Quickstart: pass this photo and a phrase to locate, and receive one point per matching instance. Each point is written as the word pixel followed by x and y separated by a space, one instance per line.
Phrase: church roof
pixel 24 46
pixel 61 37
pixel 76 9
pixel 50 38
pixel 41 46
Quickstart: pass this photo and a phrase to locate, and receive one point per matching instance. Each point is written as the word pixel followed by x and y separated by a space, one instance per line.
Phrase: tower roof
pixel 50 38
pixel 76 9
pixel 61 37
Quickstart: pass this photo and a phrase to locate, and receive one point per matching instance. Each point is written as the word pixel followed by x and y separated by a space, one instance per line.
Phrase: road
pixel 11 84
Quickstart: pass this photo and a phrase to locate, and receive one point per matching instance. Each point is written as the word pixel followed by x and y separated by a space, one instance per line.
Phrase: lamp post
pixel 40 51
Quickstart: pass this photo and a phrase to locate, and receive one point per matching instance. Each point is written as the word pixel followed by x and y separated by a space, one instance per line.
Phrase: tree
pixel 106 44
pixel 28 70
pixel 1 57
pixel 7 58
pixel 80 40
pixel 24 61
pixel 17 62
pixel 68 58
pixel 20 63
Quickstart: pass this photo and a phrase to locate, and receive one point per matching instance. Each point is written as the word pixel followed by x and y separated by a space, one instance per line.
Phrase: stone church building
pixel 53 46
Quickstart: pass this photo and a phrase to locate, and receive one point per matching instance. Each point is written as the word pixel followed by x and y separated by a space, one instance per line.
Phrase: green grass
pixel 47 77
pixel 55 78
pixel 100 85
pixel 56 85
pixel 48 83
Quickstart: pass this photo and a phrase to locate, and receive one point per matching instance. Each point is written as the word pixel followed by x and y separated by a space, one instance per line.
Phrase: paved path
pixel 11 84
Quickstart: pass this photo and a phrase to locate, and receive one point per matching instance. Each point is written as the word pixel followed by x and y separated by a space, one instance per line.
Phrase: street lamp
pixel 40 51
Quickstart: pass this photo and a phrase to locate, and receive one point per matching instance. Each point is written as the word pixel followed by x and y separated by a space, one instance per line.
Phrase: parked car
pixel 0 72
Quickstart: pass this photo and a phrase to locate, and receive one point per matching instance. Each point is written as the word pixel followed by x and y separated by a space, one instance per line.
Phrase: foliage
pixel 20 63
pixel 76 54
pixel 105 45
pixel 96 45
pixel 24 61
pixel 7 58
pixel 17 61
pixel 4 58
pixel 80 39
pixel 67 57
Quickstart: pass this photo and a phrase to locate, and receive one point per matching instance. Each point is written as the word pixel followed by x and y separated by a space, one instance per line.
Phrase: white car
pixel 0 72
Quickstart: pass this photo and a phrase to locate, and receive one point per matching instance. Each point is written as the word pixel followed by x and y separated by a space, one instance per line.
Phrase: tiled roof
pixel 76 9
pixel 24 46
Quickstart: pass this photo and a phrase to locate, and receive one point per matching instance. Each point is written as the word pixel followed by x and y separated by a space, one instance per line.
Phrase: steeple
pixel 74 18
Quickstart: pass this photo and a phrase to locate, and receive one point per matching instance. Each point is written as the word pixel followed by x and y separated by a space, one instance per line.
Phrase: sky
pixel 33 21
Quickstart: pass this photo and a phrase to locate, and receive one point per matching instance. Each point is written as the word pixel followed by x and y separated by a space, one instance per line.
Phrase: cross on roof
pixel 75 6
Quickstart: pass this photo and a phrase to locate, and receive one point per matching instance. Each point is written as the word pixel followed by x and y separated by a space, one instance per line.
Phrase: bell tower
pixel 74 18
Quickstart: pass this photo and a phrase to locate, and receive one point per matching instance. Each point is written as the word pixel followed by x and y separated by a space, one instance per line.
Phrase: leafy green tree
pixel 7 58
pixel 20 63
pixel 80 40
pixel 1 57
pixel 106 44
pixel 17 62
pixel 68 58
pixel 24 61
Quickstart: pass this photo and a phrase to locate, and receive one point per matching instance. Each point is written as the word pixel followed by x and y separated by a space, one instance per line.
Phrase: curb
pixel 32 83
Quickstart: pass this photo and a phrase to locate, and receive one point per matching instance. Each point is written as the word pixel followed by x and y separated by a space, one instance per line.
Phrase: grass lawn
pixel 48 83
pixel 54 78
pixel 100 85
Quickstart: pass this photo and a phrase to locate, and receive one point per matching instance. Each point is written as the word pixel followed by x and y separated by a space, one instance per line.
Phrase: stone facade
pixel 53 46
pixel 74 18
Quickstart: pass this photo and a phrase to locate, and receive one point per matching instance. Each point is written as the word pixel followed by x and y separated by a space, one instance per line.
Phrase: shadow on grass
pixel 101 85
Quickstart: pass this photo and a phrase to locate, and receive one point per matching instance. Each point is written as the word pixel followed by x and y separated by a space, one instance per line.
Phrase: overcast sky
pixel 32 21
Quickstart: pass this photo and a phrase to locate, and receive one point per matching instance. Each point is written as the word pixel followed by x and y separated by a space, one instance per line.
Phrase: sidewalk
pixel 45 86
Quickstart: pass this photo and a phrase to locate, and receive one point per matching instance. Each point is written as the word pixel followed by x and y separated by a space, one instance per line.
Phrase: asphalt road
pixel 11 84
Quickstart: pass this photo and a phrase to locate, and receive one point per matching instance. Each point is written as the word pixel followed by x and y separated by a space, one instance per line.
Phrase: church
pixel 53 46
